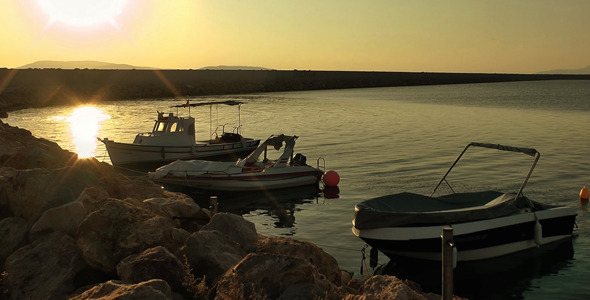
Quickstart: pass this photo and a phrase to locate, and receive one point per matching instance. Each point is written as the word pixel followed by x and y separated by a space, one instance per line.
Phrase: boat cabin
pixel 169 130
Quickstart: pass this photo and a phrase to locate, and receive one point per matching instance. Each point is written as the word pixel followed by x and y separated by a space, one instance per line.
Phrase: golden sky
pixel 503 36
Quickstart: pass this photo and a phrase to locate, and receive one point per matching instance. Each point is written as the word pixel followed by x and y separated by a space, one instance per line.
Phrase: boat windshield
pixel 160 127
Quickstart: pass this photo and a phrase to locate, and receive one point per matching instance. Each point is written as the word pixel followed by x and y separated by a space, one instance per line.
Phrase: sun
pixel 82 13
pixel 85 123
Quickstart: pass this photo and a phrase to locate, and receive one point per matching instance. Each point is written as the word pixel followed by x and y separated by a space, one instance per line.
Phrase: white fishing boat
pixel 486 224
pixel 173 137
pixel 249 174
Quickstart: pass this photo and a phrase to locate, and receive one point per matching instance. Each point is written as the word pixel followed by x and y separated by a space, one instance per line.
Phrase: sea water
pixel 390 140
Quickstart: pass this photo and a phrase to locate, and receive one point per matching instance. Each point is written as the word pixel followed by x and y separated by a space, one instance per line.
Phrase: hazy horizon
pixel 99 65
pixel 399 36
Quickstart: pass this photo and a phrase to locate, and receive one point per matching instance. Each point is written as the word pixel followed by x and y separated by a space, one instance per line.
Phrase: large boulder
pixel 155 289
pixel 153 263
pixel 324 262
pixel 13 235
pixel 65 218
pixel 19 149
pixel 92 198
pixel 175 205
pixel 270 276
pixel 121 228
pixel 181 208
pixel 44 269
pixel 6 190
pixel 210 254
pixel 236 228
pixel 31 192
pixel 140 188
pixel 384 287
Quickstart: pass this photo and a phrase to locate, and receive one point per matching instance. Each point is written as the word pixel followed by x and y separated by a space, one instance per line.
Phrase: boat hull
pixel 135 156
pixel 244 181
pixel 475 240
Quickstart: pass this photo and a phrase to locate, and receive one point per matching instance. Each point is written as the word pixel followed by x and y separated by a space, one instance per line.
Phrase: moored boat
pixel 173 137
pixel 249 174
pixel 486 224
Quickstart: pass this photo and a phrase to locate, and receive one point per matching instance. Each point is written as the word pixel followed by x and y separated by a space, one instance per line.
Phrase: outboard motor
pixel 299 160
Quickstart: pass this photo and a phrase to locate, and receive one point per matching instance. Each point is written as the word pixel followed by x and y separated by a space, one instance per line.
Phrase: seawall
pixel 21 88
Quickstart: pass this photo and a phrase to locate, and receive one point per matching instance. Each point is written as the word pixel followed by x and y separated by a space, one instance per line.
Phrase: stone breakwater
pixel 76 229
pixel 21 88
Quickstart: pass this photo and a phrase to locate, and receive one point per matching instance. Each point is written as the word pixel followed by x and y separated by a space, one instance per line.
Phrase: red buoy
pixel 584 195
pixel 331 178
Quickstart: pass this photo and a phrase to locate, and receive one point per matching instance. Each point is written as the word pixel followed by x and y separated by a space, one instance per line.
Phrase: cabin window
pixel 173 127
pixel 161 126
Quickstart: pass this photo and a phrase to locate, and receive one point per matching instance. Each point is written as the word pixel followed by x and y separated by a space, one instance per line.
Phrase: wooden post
pixel 447 263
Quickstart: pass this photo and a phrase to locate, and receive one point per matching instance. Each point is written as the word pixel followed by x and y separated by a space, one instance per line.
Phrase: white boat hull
pixel 475 240
pixel 283 178
pixel 132 155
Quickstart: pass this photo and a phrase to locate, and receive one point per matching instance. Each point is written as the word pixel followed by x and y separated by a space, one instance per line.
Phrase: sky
pixel 483 36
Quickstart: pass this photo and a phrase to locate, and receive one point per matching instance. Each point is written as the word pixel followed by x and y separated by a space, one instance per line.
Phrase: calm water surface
pixel 388 140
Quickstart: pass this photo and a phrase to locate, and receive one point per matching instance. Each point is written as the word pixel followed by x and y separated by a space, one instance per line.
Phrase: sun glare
pixel 82 13
pixel 84 128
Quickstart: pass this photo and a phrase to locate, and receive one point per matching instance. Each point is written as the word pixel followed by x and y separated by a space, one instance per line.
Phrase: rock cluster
pixel 77 229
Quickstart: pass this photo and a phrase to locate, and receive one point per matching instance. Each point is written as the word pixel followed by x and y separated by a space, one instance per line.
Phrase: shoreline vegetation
pixel 23 88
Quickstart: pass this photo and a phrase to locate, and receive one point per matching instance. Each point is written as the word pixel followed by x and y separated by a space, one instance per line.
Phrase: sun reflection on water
pixel 85 123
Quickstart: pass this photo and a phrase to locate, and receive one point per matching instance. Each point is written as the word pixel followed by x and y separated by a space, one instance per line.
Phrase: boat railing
pixel 528 151
pixel 236 129
pixel 215 134
pixel 323 164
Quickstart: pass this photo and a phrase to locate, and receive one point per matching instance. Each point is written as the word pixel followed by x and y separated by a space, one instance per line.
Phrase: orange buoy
pixel 584 195
pixel 331 178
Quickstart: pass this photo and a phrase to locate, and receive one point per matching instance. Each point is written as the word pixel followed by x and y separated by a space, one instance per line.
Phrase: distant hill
pixel 585 70
pixel 89 64
pixel 222 67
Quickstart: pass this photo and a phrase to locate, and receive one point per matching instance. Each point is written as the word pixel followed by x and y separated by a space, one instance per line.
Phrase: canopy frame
pixel 528 151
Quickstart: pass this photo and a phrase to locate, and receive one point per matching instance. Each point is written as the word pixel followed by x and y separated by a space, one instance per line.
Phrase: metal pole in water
pixel 213 205
pixel 447 263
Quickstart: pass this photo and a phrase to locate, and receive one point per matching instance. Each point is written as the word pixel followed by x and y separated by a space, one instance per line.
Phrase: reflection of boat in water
pixel 485 224
pixel 173 138
pixel 249 174
pixel 280 204
pixel 505 277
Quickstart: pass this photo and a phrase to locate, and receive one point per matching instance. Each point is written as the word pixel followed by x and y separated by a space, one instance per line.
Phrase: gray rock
pixel 210 253
pixel 179 206
pixel 269 276
pixel 92 198
pixel 19 149
pixel 31 192
pixel 65 218
pixel 153 263
pixel 13 235
pixel 44 269
pixel 155 289
pixel 324 262
pixel 383 287
pixel 121 228
pixel 236 228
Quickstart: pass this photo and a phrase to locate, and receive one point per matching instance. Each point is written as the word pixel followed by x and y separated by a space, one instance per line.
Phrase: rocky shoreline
pixel 76 229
